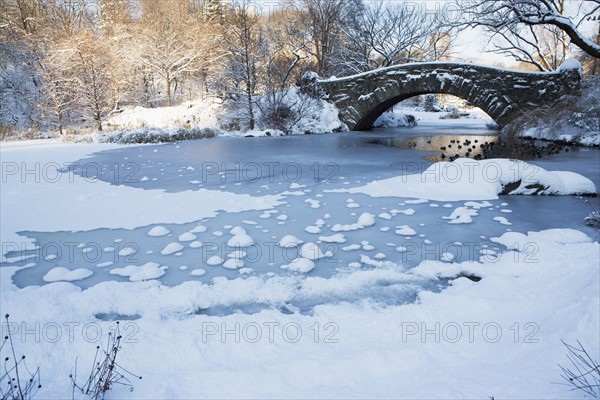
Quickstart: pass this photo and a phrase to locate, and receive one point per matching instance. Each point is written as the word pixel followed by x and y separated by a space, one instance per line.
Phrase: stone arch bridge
pixel 502 94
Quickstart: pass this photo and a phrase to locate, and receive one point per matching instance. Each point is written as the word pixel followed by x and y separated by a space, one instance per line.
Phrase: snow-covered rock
pixel 394 120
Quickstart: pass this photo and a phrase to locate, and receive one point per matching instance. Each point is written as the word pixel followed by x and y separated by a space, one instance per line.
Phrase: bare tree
pixel 326 19
pixel 20 15
pixel 544 47
pixel 19 76
pixel 214 10
pixel 58 88
pixel 114 16
pixel 36 31
pixel 385 34
pixel 92 64
pixel 288 57
pixel 66 17
pixel 289 47
pixel 591 65
pixel 244 38
pixel 76 57
pixel 77 81
pixel 166 44
pixel 524 24
pixel 167 54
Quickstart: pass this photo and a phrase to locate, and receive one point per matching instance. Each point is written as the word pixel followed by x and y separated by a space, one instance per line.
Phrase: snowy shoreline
pixel 521 308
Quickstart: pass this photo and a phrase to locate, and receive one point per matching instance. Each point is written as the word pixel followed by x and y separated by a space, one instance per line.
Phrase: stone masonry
pixel 502 94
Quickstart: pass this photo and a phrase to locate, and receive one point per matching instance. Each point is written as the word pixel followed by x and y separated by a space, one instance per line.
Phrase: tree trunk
pixel 249 90
pixel 60 123
pixel 168 81
pixel 250 108
pixel 99 120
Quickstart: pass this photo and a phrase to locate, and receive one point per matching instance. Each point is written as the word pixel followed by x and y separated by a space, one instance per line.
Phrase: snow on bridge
pixel 503 94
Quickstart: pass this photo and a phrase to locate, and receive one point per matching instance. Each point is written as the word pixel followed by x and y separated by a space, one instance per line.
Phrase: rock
pixel 593 219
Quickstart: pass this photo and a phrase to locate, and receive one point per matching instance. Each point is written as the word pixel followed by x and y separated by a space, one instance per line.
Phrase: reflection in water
pixel 452 147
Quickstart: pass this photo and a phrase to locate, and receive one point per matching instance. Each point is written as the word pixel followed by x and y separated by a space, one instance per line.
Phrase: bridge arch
pixel 502 94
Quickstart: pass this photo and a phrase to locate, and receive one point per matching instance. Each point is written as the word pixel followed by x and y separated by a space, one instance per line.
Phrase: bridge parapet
pixel 503 94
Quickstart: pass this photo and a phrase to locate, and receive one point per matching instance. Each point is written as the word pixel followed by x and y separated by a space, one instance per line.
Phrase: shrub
pixel 454 114
pixel 105 371
pixel 584 373
pixel 286 109
pixel 593 219
pixel 16 381
pixel 430 103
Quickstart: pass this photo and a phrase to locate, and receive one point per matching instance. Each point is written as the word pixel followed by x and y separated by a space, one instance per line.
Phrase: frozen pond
pixel 302 170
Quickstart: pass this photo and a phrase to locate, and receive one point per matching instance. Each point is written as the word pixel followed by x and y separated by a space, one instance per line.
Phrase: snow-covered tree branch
pixel 519 23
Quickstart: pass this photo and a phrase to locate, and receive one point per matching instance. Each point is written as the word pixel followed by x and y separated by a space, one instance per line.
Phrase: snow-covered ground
pixel 210 117
pixel 363 296
pixel 193 114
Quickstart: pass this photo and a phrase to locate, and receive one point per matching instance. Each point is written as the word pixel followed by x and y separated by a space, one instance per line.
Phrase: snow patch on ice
pixel 302 265
pixel 233 263
pixel 199 229
pixel 144 272
pixel 461 215
pixel 127 251
pixel 364 220
pixel 58 274
pixel 311 251
pixel 405 230
pixel 158 231
pixel 171 248
pixel 502 220
pixel 214 261
pixel 336 238
pixel 289 241
pixel 187 237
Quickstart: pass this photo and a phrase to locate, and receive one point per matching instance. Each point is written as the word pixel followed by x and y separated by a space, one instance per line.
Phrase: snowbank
pixel 571 64
pixel 463 342
pixel 467 179
pixel 193 114
pixel 394 120
pixel 207 119
pixel 144 135
pixel 303 114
